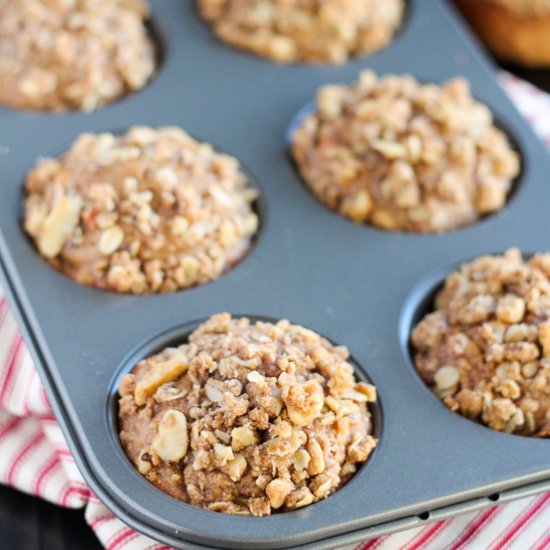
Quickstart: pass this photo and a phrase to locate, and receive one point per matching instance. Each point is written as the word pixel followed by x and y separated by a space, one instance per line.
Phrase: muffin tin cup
pixel 348 282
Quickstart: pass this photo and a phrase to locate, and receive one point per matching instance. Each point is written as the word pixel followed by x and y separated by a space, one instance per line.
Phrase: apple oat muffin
pixel 148 211
pixel 58 55
pixel 311 31
pixel 247 417
pixel 405 156
pixel 485 350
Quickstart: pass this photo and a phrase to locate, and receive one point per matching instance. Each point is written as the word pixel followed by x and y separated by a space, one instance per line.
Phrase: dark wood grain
pixel 28 523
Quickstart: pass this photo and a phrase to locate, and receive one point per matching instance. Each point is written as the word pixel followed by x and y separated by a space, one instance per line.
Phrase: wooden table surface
pixel 27 523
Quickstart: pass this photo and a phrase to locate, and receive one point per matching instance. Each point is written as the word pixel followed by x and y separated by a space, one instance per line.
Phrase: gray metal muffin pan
pixel 357 285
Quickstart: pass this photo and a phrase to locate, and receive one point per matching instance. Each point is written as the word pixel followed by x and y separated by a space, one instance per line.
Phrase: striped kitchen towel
pixel 34 456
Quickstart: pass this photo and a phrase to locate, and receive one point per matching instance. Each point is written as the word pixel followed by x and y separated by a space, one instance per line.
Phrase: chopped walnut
pixel 149 211
pixel 405 156
pixel 235 421
pixel 484 351
pixel 313 31
pixel 78 54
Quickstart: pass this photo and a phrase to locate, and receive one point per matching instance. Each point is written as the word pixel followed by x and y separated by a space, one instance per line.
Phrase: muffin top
pixel 57 55
pixel 485 350
pixel 148 211
pixel 313 31
pixel 247 418
pixel 405 156
pixel 535 8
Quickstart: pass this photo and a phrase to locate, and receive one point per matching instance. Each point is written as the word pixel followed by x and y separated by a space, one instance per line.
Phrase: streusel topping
pixel 312 31
pixel 405 156
pixel 485 350
pixel 148 211
pixel 58 55
pixel 247 418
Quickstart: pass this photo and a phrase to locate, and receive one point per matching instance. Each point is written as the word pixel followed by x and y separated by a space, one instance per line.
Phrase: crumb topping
pixel 485 350
pixel 58 55
pixel 148 211
pixel 247 418
pixel 405 156
pixel 312 31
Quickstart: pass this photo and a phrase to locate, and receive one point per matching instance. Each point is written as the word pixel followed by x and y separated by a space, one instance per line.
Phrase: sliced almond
pixel 172 440
pixel 58 226
pixel 161 374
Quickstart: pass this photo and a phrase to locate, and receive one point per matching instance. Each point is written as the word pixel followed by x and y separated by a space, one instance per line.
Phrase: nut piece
pixel 510 309
pixel 301 460
pixel 224 451
pixel 447 378
pixel 368 389
pixel 143 463
pixel 317 462
pixel 277 491
pixel 110 240
pixel 243 437
pixel 172 440
pixel 58 226
pixel 304 402
pixel 161 374
pixel 235 468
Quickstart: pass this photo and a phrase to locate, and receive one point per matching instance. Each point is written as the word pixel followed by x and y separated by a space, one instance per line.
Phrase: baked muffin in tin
pixel 405 156
pixel 309 31
pixel 485 350
pixel 150 211
pixel 59 55
pixel 247 417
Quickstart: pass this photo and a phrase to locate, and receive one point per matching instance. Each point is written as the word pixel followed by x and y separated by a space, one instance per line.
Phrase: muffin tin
pixel 357 285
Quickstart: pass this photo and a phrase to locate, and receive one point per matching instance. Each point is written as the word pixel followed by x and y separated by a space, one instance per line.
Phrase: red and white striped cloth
pixel 34 456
